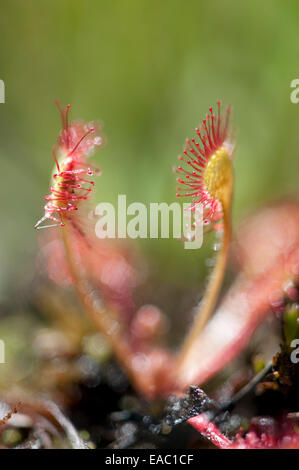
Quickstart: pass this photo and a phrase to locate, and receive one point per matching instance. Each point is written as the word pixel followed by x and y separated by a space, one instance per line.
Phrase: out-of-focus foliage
pixel 149 71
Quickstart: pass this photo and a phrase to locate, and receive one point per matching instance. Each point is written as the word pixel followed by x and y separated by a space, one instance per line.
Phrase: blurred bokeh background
pixel 148 71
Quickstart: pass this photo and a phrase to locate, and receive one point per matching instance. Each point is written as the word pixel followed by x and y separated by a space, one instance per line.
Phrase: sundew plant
pixel 149 275
pixel 158 373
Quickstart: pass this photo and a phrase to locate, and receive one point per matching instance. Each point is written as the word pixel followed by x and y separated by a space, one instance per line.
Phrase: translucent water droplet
pixel 97 140
pixel 217 246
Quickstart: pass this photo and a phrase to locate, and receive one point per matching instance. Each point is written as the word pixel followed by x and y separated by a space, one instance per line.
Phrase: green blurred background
pixel 148 70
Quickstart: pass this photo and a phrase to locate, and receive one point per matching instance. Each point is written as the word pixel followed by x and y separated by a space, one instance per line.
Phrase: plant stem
pixel 232 402
pixel 208 429
pixel 205 309
pixel 104 320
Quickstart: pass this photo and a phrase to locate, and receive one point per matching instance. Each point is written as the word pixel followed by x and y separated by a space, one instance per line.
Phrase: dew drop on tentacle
pixel 73 149
pixel 207 178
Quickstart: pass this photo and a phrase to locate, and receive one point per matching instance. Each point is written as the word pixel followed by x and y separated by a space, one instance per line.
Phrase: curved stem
pixel 249 387
pixel 104 320
pixel 208 429
pixel 208 303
